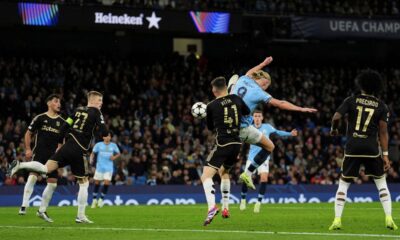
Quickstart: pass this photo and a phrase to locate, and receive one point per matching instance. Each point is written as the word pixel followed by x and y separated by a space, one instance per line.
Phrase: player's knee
pixel 264 178
pixel 106 182
pixel 52 180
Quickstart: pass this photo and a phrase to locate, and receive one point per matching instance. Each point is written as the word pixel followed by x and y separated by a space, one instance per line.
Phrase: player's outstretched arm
pixel 335 124
pixel 285 105
pixel 260 66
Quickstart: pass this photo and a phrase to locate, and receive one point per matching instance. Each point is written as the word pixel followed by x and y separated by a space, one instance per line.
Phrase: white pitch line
pixel 209 231
pixel 274 206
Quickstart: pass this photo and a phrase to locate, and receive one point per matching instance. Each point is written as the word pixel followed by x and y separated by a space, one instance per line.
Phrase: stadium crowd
pixel 147 107
pixel 338 7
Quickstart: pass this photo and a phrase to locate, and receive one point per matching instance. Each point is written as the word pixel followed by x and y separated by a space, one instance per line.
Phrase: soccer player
pixel 45 128
pixel 223 118
pixel 251 88
pixel 367 122
pixel 83 123
pixel 105 153
pixel 263 169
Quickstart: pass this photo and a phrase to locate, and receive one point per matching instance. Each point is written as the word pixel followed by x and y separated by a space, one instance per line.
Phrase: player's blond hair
pixel 93 94
pixel 261 74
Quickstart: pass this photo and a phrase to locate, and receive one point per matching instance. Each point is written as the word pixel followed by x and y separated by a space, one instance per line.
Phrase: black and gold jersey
pixel 364 113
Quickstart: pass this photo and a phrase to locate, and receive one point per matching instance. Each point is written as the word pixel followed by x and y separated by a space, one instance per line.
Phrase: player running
pixel 223 118
pixel 263 169
pixel 251 88
pixel 368 117
pixel 83 123
pixel 45 128
pixel 105 153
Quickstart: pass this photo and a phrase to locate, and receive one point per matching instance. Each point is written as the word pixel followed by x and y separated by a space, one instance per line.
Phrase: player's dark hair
pixel 369 81
pixel 52 96
pixel 219 83
pixel 258 111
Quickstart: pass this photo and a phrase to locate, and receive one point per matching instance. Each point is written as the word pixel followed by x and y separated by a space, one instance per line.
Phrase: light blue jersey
pixel 267 130
pixel 104 153
pixel 252 94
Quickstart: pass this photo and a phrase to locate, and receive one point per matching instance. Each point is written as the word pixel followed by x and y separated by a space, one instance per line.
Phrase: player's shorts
pixel 373 167
pixel 250 135
pixel 72 154
pixel 263 168
pixel 43 158
pixel 101 176
pixel 223 156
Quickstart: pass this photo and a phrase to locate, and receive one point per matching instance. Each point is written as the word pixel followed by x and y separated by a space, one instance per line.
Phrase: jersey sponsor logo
pixel 356 135
pixel 50 129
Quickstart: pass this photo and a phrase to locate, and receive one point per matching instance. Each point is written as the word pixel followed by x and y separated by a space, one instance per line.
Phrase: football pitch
pixel 276 221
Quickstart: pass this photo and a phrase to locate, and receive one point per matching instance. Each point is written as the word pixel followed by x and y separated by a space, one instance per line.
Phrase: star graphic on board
pixel 153 20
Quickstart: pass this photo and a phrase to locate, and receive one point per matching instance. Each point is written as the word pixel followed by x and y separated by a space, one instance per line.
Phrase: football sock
pixel 33 166
pixel 210 192
pixel 261 191
pixel 340 198
pixel 225 191
pixel 46 196
pixel 96 190
pixel 244 191
pixel 30 183
pixel 384 195
pixel 82 198
pixel 259 159
pixel 105 190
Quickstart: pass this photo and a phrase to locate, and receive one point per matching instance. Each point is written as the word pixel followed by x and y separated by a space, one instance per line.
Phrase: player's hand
pixel 386 163
pixel 309 110
pixel 267 61
pixel 294 133
pixel 28 154
pixel 334 132
pixel 113 158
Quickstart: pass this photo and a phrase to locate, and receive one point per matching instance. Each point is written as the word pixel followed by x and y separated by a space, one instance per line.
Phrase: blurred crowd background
pixel 147 107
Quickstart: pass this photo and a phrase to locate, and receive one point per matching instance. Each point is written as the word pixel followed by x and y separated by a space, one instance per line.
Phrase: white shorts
pixel 250 135
pixel 263 168
pixel 101 176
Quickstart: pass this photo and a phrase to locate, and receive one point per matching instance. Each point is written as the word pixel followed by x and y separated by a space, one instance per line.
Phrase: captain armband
pixel 70 121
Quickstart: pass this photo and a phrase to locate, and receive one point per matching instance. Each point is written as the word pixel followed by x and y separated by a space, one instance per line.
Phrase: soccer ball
pixel 199 110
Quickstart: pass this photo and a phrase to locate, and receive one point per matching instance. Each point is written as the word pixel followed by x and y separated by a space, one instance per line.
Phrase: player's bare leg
pixel 208 185
pixel 82 200
pixel 225 191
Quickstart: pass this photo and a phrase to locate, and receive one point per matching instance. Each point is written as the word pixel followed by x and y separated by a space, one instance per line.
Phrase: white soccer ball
pixel 199 110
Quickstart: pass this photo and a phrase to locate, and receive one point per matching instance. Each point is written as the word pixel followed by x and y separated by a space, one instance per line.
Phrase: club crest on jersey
pixel 58 123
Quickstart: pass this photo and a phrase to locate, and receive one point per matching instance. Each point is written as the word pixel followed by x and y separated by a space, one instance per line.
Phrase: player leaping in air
pixel 263 169
pixel 83 123
pixel 251 88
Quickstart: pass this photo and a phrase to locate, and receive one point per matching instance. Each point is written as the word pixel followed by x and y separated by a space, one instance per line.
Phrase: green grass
pixel 289 221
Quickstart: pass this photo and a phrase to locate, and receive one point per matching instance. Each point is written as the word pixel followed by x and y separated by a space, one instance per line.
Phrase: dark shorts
pixel 223 156
pixel 43 158
pixel 73 155
pixel 373 167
